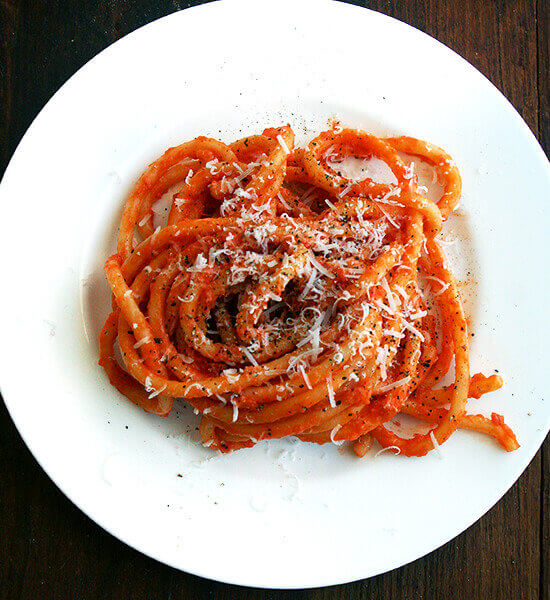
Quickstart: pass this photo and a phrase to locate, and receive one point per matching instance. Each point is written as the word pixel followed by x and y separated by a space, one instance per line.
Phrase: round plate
pixel 283 514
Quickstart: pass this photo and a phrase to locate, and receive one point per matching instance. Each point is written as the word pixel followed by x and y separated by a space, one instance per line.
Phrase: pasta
pixel 283 298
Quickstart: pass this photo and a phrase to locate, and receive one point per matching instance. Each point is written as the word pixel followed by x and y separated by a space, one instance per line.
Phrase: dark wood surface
pixel 48 548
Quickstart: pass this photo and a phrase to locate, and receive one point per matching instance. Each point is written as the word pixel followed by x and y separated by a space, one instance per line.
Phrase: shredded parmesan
pixel 443 285
pixel 155 393
pixel 386 449
pixel 345 190
pixel 333 433
pixel 199 264
pixel 435 444
pixel 414 330
pixel 395 384
pixel 330 390
pixel 143 340
pixel 283 144
pixel 251 358
pixel 304 375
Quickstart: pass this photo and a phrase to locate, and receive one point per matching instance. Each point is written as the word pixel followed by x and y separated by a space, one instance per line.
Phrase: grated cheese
pixel 283 144
pixel 330 390
pixel 334 431
pixel 143 340
pixel 395 384
pixel 304 375
pixel 155 393
pixel 251 358
pixel 443 285
pixel 386 449
pixel 414 330
pixel 435 444
pixel 345 190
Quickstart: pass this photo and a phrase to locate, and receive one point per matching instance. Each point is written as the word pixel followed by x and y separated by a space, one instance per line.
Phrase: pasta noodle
pixel 284 298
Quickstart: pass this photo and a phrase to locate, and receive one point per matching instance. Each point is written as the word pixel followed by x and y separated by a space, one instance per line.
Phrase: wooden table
pixel 48 548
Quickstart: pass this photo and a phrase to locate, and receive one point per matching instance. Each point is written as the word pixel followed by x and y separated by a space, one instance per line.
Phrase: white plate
pixel 312 516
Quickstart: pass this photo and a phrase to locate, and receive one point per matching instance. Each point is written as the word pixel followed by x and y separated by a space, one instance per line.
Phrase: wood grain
pixel 48 548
